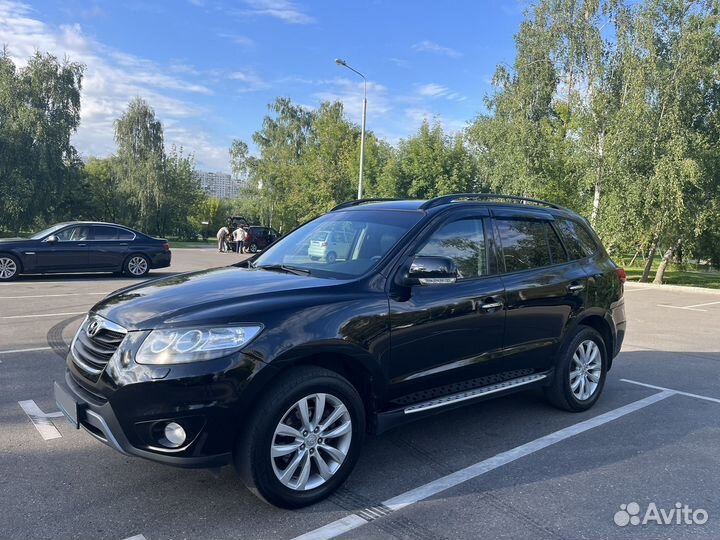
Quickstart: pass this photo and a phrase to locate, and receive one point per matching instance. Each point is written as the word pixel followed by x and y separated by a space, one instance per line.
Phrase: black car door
pixel 66 249
pixel 108 246
pixel 543 288
pixel 445 333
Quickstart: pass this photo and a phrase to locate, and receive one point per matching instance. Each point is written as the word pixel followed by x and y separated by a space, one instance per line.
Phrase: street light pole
pixel 341 62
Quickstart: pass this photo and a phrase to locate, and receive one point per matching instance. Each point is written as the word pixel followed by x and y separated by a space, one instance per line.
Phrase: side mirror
pixel 432 271
pixel 51 239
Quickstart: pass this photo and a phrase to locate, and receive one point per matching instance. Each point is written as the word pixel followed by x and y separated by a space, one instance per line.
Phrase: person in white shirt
pixel 239 236
pixel 222 236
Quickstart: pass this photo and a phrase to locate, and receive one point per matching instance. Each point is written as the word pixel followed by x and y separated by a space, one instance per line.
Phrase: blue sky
pixel 210 67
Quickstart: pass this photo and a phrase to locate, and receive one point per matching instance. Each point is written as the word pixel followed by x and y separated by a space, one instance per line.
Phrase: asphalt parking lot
pixel 509 468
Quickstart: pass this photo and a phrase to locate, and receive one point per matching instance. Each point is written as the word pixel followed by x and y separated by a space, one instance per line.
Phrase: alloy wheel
pixel 137 266
pixel 311 442
pixel 585 370
pixel 8 268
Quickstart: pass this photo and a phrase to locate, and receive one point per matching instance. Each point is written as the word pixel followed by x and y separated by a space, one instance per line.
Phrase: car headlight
pixel 183 345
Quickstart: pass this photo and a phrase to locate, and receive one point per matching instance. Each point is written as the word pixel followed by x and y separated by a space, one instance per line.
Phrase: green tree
pixel 39 112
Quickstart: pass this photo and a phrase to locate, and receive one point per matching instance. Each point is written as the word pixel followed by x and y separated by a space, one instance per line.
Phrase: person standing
pixel 221 236
pixel 239 236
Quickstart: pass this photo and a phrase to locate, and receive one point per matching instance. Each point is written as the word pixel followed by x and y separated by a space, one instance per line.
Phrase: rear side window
pixel 123 234
pixel 103 232
pixel 462 241
pixel 576 238
pixel 529 244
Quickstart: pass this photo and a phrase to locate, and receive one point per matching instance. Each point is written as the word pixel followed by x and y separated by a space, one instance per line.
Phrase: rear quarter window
pixel 577 239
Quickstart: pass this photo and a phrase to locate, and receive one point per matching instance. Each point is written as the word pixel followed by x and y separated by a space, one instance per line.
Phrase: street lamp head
pixel 340 62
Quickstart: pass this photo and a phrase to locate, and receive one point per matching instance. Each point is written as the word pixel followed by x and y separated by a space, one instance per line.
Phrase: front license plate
pixel 67 404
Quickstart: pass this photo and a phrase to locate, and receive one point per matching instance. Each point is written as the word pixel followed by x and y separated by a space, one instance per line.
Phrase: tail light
pixel 166 246
pixel 621 274
pixel 323 244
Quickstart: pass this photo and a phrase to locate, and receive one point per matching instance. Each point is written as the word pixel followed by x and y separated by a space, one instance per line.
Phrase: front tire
pixel 580 372
pixel 9 267
pixel 136 266
pixel 253 248
pixel 303 439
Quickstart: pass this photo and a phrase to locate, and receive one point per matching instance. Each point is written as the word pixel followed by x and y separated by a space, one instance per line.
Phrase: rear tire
pixel 253 248
pixel 580 372
pixel 136 266
pixel 9 267
pixel 322 450
pixel 331 257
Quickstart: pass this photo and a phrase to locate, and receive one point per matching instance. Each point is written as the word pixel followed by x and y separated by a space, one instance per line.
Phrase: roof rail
pixel 445 199
pixel 357 202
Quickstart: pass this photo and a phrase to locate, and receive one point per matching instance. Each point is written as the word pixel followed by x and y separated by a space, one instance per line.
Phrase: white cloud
pixel 250 80
pixel 237 39
pixel 434 90
pixel 350 93
pixel 285 10
pixel 432 47
pixel 416 116
pixel 111 79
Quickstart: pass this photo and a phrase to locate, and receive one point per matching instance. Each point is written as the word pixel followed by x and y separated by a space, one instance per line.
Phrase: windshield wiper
pixel 284 268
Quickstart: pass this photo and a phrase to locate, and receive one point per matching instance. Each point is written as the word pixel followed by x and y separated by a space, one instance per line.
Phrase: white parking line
pixel 681 307
pixel 52 295
pixel 44 315
pixel 27 350
pixel 680 392
pixel 136 537
pixel 41 420
pixel 360 518
pixel 700 305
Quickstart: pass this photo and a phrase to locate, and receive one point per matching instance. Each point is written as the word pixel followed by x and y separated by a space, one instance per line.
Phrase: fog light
pixel 174 435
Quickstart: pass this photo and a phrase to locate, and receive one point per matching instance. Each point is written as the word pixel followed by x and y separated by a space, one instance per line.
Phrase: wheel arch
pixel 359 371
pixel 603 327
pixel 17 257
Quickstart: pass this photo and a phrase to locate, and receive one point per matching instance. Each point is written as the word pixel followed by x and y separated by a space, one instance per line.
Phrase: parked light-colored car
pixel 330 245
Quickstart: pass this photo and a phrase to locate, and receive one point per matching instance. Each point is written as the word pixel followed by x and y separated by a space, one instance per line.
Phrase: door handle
pixel 82 245
pixel 576 287
pixel 123 244
pixel 491 305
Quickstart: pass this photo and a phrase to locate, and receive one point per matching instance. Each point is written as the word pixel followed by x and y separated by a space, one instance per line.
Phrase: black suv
pixel 283 363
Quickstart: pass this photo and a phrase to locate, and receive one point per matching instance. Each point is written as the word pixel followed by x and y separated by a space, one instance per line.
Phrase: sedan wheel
pixel 137 266
pixel 586 370
pixel 311 442
pixel 253 248
pixel 8 268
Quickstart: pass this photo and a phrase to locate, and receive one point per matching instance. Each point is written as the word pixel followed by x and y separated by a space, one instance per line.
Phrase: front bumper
pixel 97 417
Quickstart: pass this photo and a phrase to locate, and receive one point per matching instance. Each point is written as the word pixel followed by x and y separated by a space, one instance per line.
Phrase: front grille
pixel 92 350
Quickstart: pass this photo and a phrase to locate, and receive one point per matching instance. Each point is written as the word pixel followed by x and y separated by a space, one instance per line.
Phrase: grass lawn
pixel 677 276
pixel 197 244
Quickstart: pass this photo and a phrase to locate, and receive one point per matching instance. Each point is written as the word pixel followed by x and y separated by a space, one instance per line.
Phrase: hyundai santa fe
pixel 283 363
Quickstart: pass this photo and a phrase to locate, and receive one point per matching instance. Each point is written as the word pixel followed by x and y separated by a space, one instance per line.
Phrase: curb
pixel 679 288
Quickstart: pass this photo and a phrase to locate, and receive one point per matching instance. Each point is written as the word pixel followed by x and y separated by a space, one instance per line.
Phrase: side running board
pixel 474 393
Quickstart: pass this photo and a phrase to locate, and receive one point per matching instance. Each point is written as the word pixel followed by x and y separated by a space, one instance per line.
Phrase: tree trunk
pixel 598 178
pixel 649 262
pixel 660 274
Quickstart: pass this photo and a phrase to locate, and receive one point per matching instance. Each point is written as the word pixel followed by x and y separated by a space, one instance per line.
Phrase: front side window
pixel 73 234
pixel 529 244
pixel 463 241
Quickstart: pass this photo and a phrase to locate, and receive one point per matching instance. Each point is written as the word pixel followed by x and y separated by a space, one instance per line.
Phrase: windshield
pixel 45 232
pixel 340 244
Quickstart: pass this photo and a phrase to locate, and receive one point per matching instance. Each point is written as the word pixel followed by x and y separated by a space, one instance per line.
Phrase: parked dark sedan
pixel 82 246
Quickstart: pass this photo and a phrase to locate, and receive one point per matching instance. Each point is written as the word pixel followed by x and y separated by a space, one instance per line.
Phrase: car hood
pixel 217 296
